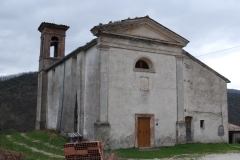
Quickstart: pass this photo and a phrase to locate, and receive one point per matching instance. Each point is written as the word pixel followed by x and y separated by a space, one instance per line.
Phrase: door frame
pixel 152 128
pixel 189 118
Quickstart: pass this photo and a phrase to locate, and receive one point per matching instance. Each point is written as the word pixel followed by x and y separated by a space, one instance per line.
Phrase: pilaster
pixel 104 58
pixel 41 100
pixel 180 124
pixel 81 62
pixel 102 130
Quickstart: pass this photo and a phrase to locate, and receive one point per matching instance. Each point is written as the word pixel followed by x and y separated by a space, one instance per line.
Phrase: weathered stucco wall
pixel 91 96
pixel 51 120
pixel 54 99
pixel 68 81
pixel 127 99
pixel 69 97
pixel 205 98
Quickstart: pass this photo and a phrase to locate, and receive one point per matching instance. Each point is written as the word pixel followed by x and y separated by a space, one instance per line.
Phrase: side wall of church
pixel 205 99
pixel 62 96
pixel 73 93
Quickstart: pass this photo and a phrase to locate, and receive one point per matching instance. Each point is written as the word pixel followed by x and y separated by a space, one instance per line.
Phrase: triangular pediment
pixel 143 27
pixel 148 32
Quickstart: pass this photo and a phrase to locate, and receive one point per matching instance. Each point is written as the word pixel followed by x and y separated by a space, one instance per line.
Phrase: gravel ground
pixel 227 156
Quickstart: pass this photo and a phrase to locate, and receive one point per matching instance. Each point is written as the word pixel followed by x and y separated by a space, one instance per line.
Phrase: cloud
pixel 209 25
pixel 227 65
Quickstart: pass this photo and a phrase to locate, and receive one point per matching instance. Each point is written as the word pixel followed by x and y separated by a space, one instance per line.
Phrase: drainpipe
pixel 221 105
pixel 63 83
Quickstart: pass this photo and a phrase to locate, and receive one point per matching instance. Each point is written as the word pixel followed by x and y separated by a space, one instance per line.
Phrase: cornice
pixel 140 38
pixel 63 33
pixel 150 49
pixel 101 46
pixel 52 25
pixel 179 57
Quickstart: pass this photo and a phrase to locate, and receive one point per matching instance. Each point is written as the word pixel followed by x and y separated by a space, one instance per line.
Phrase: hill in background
pixel 18 100
pixel 234 106
pixel 233 91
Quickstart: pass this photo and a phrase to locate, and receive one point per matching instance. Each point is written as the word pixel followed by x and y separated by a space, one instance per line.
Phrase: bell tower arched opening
pixel 54 46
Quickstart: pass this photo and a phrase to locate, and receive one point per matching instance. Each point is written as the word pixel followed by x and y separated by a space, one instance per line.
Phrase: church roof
pixel 73 53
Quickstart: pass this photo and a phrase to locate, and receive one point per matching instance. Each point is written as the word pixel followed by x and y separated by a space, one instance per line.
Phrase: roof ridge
pixel 77 50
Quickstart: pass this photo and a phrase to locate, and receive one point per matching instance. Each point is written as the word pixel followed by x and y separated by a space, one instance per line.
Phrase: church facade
pixel 132 86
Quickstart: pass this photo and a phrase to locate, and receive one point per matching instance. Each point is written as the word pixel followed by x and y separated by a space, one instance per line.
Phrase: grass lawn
pixel 180 151
pixel 46 141
pixel 51 142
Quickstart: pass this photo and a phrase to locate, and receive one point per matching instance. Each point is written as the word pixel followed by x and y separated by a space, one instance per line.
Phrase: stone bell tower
pixel 52 36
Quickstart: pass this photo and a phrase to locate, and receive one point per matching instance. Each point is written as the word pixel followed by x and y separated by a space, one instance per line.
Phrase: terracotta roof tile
pixel 232 127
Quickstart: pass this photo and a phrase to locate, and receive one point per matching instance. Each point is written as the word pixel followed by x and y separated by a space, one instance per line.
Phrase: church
pixel 132 86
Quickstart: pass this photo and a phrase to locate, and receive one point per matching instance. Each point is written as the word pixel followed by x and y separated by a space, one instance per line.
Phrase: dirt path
pixel 35 149
pixel 34 140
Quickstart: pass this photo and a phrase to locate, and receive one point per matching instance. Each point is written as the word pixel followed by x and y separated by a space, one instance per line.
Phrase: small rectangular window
pixel 202 125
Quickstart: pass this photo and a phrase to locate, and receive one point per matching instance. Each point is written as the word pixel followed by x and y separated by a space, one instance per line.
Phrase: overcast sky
pixel 210 26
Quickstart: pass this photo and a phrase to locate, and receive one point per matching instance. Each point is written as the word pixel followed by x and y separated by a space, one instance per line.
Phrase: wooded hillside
pixel 18 100
pixel 234 107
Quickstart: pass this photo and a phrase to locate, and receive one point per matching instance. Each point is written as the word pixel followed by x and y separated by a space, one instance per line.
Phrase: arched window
pixel 54 43
pixel 143 64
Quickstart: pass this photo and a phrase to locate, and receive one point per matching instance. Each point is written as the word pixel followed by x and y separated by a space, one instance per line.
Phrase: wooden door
pixel 188 121
pixel 143 132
